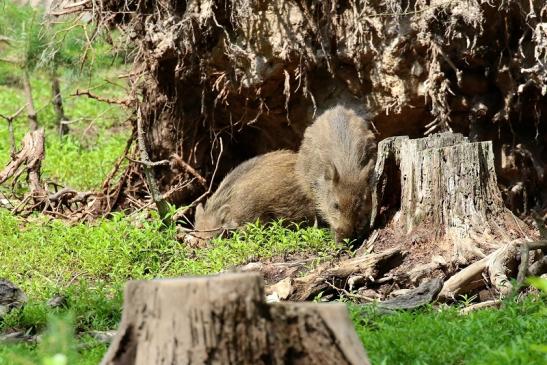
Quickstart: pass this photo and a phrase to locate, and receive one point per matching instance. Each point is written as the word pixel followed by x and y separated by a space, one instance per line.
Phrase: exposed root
pixel 264 70
pixel 63 203
pixel 366 268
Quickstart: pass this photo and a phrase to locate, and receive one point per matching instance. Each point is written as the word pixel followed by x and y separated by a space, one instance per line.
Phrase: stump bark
pixel 224 320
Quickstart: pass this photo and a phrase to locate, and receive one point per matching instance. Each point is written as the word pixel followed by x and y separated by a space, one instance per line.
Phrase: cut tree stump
pixel 449 198
pixel 224 320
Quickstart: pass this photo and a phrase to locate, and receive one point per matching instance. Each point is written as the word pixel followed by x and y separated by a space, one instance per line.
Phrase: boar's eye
pixel 336 206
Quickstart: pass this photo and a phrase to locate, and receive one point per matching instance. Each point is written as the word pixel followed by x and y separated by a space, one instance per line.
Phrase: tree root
pixel 64 203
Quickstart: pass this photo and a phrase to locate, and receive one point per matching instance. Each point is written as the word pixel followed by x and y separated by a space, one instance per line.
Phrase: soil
pixel 260 71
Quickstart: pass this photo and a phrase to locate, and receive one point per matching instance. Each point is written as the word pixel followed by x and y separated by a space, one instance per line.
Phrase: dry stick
pixel 527 246
pixel 202 196
pixel 125 102
pixel 348 294
pixel 525 249
pixel 157 197
pixel 474 307
pixel 57 101
pixel 149 164
pixel 113 171
pixel 10 119
pixel 190 169
pixel 31 111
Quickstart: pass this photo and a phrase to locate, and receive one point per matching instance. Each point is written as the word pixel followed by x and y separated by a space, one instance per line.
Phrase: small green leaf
pixel 538 283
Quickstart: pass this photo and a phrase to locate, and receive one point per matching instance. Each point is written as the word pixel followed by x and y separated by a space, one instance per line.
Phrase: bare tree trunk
pixel 58 104
pixel 31 111
pixel 224 320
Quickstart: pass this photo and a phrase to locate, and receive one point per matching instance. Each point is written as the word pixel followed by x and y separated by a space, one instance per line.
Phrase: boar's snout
pixel 341 234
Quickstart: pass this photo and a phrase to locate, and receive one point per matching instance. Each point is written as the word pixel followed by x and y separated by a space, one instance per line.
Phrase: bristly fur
pixel 335 168
pixel 263 188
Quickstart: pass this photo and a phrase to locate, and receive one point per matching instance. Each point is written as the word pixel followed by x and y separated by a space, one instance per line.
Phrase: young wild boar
pixel 264 188
pixel 335 167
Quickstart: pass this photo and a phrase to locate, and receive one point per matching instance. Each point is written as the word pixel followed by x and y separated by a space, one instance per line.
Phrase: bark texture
pixel 58 105
pixel 224 320
pixel 31 111
pixel 450 205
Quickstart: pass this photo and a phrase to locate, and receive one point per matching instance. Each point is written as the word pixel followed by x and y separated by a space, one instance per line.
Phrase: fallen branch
pixel 414 298
pixel 464 281
pixel 127 102
pixel 495 303
pixel 59 203
pixel 367 267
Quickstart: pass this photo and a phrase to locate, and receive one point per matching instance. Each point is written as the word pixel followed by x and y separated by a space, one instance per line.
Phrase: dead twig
pixel 179 162
pixel 495 303
pixel 127 102
pixel 209 190
pixel 148 164
pixel 344 292
pixel 10 119
pixel 525 249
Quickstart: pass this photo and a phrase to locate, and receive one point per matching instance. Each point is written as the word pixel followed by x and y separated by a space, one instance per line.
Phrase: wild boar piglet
pixel 335 168
pixel 263 188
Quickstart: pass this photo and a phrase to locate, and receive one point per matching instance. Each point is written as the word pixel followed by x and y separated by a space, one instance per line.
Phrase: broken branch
pixel 127 102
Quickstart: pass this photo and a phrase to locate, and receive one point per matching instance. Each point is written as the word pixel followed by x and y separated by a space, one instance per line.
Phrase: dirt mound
pixel 254 73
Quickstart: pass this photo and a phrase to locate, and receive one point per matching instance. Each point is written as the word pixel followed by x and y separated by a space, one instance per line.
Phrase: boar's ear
pixel 331 173
pixel 199 211
pixel 367 174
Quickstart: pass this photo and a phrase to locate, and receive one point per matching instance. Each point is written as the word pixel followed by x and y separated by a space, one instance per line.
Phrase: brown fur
pixel 263 188
pixel 335 168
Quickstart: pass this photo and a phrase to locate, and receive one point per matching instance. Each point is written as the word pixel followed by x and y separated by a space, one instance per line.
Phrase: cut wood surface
pixel 224 320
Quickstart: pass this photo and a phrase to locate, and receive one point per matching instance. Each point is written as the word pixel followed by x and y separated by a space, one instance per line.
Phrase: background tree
pixel 36 41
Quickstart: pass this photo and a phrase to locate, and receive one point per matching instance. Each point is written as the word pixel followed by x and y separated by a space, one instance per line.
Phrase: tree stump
pixel 450 204
pixel 450 185
pixel 224 320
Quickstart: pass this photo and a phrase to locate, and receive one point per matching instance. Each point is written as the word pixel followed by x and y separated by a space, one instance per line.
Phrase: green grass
pixel 98 130
pixel 58 346
pixel 89 264
pixel 44 256
pixel 97 138
pixel 432 336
